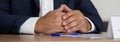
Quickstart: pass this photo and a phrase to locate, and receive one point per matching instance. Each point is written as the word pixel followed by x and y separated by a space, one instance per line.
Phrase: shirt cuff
pixel 28 26
pixel 92 25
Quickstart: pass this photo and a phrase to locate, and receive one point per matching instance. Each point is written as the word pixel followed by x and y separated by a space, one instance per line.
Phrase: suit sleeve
pixel 9 23
pixel 87 8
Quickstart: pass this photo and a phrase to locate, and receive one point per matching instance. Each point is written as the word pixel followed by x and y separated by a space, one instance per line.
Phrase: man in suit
pixel 21 16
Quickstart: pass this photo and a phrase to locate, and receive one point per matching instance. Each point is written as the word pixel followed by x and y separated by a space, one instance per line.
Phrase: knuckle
pixel 74 17
pixel 68 26
pixel 69 20
pixel 66 15
pixel 69 14
pixel 72 24
pixel 75 23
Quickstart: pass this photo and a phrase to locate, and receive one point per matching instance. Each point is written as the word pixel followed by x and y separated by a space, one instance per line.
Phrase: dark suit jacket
pixel 13 13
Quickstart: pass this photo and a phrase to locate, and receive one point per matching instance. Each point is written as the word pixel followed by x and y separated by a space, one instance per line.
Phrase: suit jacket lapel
pixel 37 3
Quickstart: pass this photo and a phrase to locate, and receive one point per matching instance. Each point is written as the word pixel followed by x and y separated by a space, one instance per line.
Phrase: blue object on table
pixel 75 33
pixel 58 34
pixel 55 34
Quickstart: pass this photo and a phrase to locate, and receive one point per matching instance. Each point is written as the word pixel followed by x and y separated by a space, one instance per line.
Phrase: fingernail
pixel 64 17
pixel 68 31
pixel 66 27
pixel 64 23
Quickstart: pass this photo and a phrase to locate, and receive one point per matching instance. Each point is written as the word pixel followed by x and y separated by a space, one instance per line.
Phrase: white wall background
pixel 107 8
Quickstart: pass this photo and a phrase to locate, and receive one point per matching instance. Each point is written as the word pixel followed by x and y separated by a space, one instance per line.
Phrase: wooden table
pixel 47 38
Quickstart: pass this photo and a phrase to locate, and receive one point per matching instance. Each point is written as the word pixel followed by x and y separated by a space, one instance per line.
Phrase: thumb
pixel 61 8
pixel 66 8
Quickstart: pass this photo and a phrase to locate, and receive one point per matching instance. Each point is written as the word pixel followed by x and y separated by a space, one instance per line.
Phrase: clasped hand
pixel 63 19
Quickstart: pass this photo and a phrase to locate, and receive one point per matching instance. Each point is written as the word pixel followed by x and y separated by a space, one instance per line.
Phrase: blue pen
pixel 55 34
pixel 58 34
pixel 75 33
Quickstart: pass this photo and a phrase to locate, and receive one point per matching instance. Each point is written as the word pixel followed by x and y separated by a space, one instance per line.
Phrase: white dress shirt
pixel 45 6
